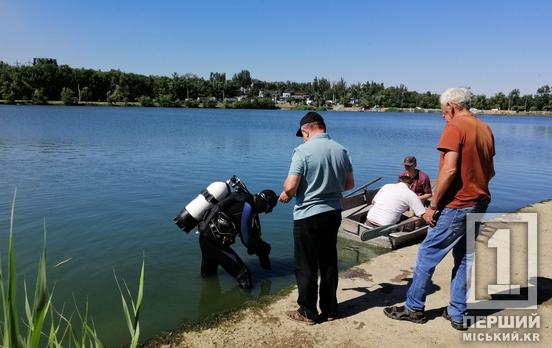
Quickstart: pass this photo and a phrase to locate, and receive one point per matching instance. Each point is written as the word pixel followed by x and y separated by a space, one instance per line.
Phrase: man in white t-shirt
pixel 392 200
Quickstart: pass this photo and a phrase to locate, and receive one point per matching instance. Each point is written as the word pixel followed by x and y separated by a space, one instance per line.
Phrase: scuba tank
pixel 190 216
pixel 193 212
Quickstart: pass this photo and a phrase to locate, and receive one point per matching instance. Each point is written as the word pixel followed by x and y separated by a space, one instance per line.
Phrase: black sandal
pixel 403 313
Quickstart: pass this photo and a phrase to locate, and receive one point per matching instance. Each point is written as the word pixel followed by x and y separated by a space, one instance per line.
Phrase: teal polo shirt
pixel 323 164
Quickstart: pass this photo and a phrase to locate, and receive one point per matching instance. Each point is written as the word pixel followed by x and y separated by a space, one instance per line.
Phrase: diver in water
pixel 238 213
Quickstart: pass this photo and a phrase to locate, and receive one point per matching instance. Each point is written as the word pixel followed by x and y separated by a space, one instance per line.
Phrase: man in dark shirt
pixel 420 181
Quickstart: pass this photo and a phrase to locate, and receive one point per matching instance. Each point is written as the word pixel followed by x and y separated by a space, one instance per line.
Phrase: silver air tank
pixel 191 215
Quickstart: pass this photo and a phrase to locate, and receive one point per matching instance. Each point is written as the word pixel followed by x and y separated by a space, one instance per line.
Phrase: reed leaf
pixel 42 301
pixel 132 319
pixel 5 307
pixel 12 336
pixel 54 338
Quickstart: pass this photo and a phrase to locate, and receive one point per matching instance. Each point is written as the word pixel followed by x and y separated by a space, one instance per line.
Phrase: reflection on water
pixel 214 299
pixel 110 180
pixel 354 253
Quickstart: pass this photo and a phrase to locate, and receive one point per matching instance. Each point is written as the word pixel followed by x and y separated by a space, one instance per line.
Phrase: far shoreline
pixel 287 107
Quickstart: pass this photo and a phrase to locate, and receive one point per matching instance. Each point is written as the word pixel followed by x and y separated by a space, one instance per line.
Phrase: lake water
pixel 108 182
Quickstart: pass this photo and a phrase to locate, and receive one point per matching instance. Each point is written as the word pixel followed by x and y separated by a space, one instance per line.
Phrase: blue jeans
pixel 449 233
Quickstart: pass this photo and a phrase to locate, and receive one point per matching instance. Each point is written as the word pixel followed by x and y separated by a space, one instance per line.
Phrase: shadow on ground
pixel 388 294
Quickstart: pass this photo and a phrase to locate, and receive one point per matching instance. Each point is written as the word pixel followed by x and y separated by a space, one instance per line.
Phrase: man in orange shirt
pixel 465 169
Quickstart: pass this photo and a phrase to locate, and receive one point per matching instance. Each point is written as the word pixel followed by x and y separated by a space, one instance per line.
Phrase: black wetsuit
pixel 215 249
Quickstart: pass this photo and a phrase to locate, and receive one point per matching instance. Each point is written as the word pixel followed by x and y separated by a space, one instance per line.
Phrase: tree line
pixel 44 80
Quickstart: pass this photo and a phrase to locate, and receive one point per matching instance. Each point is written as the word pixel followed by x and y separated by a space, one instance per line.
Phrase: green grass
pixel 43 325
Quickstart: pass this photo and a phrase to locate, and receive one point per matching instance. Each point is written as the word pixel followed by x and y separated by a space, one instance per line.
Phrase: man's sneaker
pixel 455 324
pixel 403 313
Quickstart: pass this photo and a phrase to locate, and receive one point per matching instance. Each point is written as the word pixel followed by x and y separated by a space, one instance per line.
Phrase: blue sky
pixel 427 45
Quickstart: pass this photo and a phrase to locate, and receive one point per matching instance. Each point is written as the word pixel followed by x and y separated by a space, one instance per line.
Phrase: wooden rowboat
pixel 354 226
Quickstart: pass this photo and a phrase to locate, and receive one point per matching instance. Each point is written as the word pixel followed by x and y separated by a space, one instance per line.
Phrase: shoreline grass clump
pixel 28 330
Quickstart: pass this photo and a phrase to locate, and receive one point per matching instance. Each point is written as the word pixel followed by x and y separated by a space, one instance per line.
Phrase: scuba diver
pixel 238 213
pixel 220 214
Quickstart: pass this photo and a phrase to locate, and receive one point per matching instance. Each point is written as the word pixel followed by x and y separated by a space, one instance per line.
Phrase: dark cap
pixel 310 117
pixel 409 161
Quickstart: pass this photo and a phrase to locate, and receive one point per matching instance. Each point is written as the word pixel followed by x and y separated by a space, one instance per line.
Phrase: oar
pixel 363 187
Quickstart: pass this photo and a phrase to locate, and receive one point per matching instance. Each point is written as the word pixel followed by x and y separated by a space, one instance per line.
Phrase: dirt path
pixel 363 292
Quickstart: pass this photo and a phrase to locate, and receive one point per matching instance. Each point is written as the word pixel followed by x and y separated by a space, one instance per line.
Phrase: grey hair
pixel 460 96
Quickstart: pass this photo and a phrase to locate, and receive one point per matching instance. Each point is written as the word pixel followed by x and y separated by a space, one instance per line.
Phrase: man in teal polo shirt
pixel 320 171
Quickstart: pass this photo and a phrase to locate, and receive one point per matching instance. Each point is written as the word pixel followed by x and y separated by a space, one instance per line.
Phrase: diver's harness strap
pixel 216 222
pixel 223 228
pixel 209 197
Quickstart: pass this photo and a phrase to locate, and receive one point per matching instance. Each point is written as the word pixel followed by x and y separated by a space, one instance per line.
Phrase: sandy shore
pixel 363 292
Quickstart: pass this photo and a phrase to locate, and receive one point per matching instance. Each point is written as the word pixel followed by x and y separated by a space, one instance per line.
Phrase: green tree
pixel 85 94
pixel 513 99
pixel 167 100
pixel 499 101
pixel 7 92
pixel 68 96
pixel 146 101
pixel 217 84
pixel 38 97
pixel 480 102
pixel 117 95
pixel 243 79
pixel 543 97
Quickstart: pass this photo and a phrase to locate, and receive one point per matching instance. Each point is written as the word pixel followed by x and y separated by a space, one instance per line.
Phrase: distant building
pixel 37 61
pixel 272 94
pixel 298 97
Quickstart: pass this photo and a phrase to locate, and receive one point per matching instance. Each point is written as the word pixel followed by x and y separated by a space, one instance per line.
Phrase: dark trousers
pixel 315 249
pixel 214 254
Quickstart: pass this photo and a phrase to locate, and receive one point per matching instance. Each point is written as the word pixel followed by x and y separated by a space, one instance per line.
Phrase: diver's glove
pixel 265 262
pixel 244 280
pixel 263 257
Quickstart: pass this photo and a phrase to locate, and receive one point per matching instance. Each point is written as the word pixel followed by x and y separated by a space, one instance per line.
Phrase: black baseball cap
pixel 310 117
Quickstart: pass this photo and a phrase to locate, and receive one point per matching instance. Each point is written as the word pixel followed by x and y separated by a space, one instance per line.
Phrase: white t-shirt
pixel 391 201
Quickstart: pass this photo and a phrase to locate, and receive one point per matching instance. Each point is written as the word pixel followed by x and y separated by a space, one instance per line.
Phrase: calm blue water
pixel 108 182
